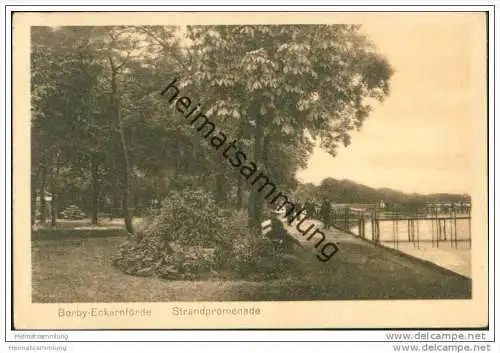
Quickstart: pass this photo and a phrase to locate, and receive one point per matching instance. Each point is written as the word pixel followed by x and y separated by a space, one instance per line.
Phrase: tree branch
pixel 165 46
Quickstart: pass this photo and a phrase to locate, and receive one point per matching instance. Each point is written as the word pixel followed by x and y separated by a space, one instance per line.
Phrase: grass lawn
pixel 79 269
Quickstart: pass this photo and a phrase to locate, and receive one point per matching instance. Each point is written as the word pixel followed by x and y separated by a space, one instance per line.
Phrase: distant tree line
pixel 347 191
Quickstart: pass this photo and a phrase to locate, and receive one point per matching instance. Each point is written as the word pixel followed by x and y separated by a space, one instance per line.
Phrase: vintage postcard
pixel 250 170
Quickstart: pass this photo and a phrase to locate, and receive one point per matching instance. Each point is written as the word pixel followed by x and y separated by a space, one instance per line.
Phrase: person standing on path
pixel 310 209
pixel 326 214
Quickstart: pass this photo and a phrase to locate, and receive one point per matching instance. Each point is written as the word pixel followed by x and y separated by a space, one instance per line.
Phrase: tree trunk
pixel 126 186
pixel 239 179
pixel 53 213
pixel 43 205
pixel 126 199
pixel 34 178
pixel 95 191
pixel 256 199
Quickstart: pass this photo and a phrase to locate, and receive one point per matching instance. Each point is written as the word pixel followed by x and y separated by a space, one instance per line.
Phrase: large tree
pixel 293 84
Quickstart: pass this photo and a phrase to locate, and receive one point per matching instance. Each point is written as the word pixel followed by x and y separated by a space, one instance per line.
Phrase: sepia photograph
pixel 269 163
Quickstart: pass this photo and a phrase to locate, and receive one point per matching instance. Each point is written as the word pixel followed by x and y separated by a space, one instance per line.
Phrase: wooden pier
pixel 443 225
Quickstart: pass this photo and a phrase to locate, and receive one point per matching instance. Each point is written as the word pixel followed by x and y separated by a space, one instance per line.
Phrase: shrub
pixel 255 259
pixel 181 240
pixel 151 258
pixel 190 236
pixel 189 217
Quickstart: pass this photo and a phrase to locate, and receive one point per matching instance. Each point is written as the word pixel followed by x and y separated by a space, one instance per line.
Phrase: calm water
pixel 444 254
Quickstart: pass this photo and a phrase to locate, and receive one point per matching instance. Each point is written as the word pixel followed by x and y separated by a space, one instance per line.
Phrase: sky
pixel 418 139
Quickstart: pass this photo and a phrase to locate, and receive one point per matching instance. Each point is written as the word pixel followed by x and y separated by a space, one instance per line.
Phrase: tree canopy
pixel 105 139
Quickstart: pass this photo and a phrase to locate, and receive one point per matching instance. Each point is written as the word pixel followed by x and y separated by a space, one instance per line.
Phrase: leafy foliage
pixel 288 87
pixel 254 259
pixel 299 78
pixel 188 217
pixel 150 257
pixel 180 240
pixel 175 243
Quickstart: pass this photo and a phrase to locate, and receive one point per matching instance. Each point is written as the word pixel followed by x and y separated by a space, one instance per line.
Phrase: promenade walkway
pixel 387 267
pixel 457 260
